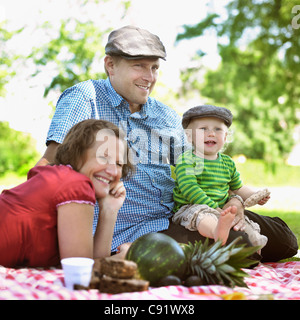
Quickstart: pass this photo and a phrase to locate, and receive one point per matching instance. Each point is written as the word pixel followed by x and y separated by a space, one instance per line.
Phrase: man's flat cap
pixel 134 43
pixel 207 111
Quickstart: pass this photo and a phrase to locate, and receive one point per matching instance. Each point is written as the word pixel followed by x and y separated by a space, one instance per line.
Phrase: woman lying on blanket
pixel 50 216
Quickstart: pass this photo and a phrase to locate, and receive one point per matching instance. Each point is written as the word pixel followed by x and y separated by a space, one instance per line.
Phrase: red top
pixel 28 214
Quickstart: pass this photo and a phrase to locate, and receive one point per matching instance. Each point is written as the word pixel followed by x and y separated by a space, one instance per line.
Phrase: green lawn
pixel 258 173
pixel 291 218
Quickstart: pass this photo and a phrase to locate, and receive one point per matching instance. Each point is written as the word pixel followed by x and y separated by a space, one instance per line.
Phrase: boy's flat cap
pixel 207 111
pixel 134 43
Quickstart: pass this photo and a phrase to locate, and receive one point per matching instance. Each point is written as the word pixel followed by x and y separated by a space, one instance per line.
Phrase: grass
pixel 291 218
pixel 258 173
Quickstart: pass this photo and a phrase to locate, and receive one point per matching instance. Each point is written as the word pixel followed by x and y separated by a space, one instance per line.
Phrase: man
pixel 154 133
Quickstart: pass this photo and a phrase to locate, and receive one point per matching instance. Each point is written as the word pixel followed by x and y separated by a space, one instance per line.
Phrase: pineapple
pixel 217 264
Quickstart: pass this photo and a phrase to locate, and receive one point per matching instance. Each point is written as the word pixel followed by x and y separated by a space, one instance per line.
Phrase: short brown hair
pixel 116 60
pixel 81 137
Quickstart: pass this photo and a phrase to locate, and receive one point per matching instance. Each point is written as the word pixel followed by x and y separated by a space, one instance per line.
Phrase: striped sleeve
pixel 236 182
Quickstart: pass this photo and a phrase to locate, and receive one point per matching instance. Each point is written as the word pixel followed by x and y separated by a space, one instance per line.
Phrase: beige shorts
pixel 190 215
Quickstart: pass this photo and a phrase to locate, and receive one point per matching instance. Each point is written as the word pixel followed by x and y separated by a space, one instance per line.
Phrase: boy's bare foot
pixel 224 224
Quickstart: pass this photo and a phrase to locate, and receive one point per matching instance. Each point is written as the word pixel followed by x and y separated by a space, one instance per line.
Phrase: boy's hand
pixel 264 200
pixel 258 197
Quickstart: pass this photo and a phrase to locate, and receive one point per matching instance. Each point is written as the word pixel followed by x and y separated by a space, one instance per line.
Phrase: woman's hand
pixel 108 212
pixel 114 200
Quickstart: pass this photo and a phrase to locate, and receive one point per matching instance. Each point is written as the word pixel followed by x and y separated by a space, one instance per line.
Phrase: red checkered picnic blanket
pixel 266 281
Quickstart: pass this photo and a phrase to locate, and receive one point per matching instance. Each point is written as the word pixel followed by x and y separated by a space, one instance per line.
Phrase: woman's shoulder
pixel 60 173
pixel 66 183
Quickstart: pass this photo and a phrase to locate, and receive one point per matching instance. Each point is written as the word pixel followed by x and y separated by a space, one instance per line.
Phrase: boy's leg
pixel 207 221
pixel 183 235
pixel 211 228
pixel 223 227
pixel 217 228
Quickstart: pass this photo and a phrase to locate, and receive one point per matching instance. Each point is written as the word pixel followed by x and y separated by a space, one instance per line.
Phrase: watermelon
pixel 157 256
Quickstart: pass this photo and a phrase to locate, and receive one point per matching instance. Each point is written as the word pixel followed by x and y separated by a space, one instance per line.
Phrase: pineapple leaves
pixel 217 264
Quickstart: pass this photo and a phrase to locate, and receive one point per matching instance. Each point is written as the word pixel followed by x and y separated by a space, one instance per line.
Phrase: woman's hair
pixel 81 137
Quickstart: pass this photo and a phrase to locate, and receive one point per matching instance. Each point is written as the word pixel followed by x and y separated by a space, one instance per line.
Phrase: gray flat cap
pixel 134 43
pixel 207 111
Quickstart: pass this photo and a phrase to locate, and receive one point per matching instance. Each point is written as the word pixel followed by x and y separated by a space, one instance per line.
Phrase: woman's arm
pixel 75 226
pixel 75 230
pixel 108 211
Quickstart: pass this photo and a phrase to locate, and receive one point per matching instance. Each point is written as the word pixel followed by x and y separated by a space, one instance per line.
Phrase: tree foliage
pixel 67 54
pixel 17 153
pixel 259 75
pixel 7 58
pixel 73 53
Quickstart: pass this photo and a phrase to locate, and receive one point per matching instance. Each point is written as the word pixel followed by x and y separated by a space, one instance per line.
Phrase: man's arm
pixel 49 154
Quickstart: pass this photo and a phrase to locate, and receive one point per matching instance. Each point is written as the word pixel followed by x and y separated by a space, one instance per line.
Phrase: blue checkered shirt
pixel 155 138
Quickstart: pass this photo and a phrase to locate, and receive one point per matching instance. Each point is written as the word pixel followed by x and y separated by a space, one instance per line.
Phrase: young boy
pixel 205 176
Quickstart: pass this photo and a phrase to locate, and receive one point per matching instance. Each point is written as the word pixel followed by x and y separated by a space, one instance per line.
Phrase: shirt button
pixel 161 202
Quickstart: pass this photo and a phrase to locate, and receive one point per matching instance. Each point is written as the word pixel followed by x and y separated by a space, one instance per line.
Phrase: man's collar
pixel 114 97
pixel 117 99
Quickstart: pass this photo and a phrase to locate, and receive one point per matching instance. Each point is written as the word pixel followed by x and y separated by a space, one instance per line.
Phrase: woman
pixel 50 216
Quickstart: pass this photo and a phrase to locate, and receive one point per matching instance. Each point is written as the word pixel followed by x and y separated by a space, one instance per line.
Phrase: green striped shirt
pixel 204 181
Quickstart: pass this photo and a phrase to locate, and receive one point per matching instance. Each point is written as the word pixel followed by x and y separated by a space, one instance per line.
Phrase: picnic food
pixel 118 275
pixel 169 281
pixel 114 285
pixel 157 255
pixel 213 264
pixel 117 268
pixel 217 264
pixel 256 197
pixel 112 275
pixel 193 281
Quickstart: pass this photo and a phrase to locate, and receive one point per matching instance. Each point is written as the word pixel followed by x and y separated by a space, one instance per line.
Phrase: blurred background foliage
pixel 73 52
pixel 258 76
pixel 16 152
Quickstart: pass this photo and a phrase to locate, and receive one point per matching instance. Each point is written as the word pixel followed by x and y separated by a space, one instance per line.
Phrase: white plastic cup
pixel 77 270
